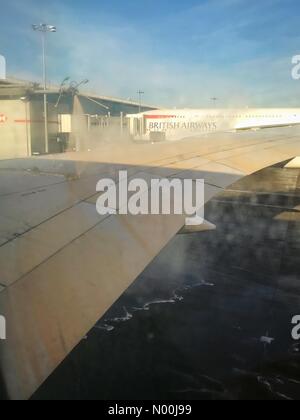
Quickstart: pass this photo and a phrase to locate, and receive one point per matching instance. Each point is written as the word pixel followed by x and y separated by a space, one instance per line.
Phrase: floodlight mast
pixel 43 28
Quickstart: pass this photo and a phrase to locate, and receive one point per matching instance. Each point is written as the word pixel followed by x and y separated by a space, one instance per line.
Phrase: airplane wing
pixel 63 265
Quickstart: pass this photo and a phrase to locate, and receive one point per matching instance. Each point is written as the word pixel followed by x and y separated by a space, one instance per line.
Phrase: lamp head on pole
pixel 74 86
pixel 43 27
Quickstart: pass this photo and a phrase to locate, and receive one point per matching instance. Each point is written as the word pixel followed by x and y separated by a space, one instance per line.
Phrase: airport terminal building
pixel 76 121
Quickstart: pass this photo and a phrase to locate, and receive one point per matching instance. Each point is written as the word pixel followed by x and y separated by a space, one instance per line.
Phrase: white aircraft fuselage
pixel 170 124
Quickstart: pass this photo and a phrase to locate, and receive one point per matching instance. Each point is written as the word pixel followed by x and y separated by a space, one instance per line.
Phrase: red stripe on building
pixel 34 122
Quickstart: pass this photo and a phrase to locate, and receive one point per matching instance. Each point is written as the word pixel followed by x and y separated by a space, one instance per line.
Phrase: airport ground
pixel 211 317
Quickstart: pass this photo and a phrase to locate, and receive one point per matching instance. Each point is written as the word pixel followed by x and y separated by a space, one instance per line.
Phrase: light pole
pixel 140 93
pixel 61 89
pixel 43 28
pixel 214 99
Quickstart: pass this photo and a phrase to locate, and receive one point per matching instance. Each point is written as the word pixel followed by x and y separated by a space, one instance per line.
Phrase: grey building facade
pixel 76 121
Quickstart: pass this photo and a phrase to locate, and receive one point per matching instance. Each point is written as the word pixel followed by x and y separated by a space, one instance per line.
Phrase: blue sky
pixel 180 52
